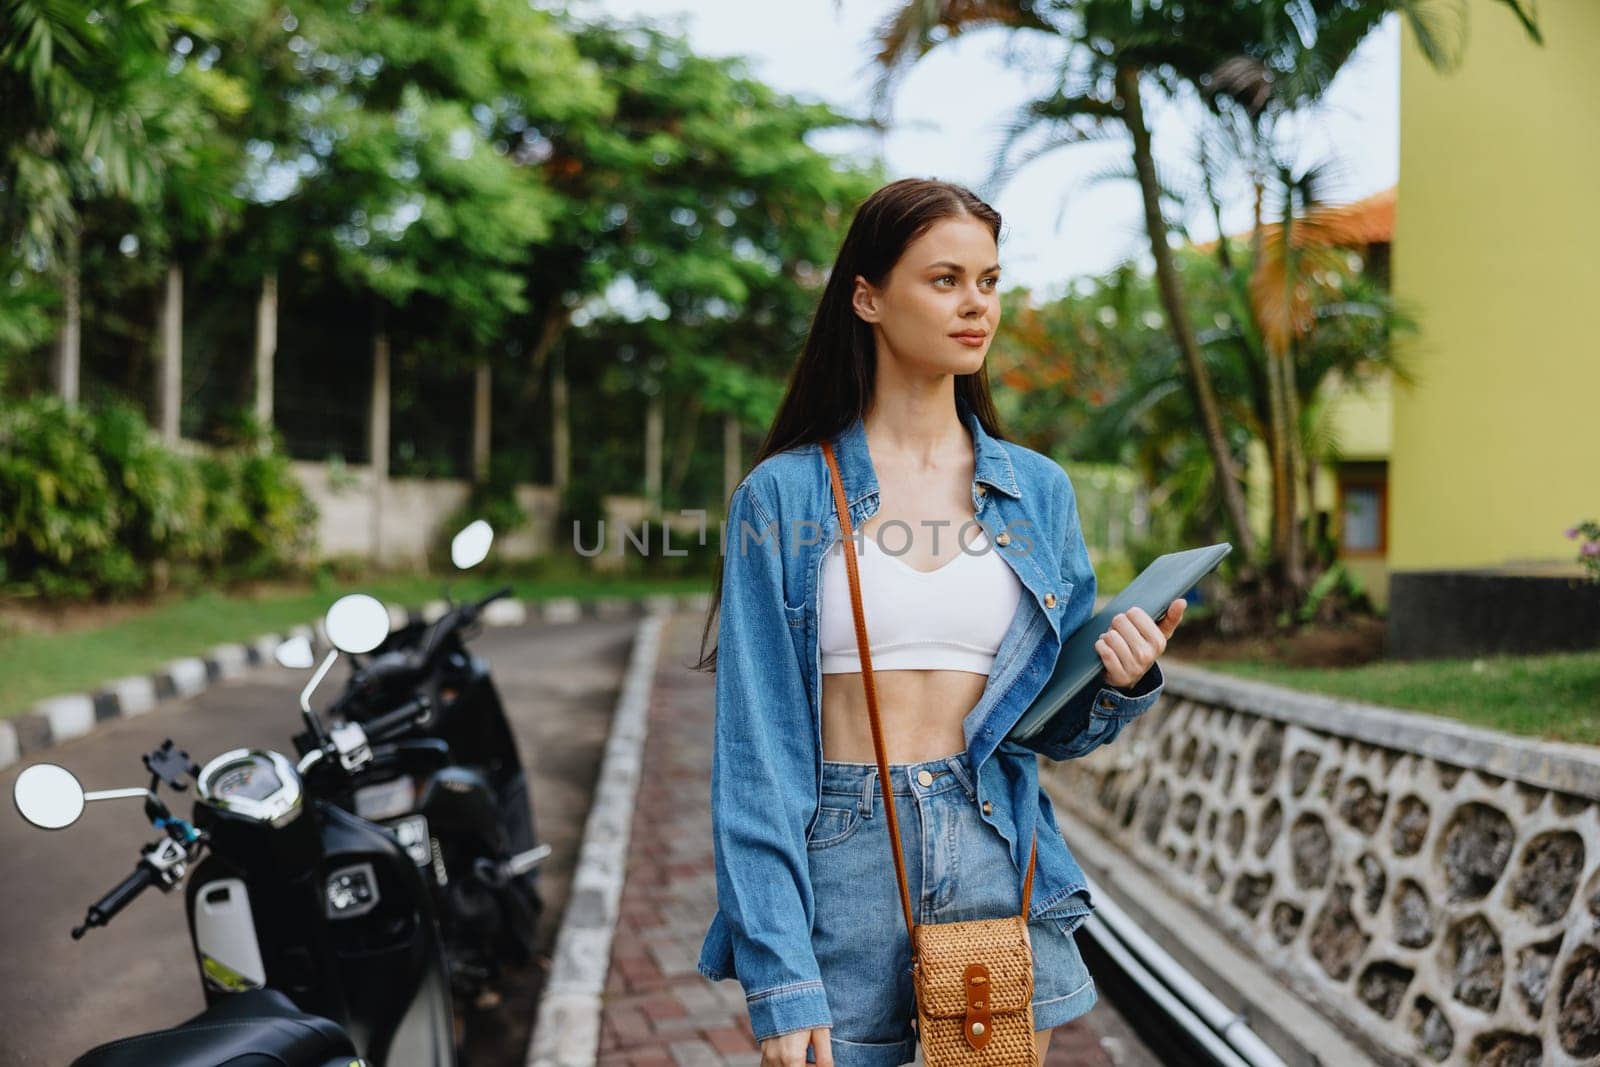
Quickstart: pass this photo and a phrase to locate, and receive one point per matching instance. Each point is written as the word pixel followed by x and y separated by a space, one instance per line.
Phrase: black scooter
pixel 313 929
pixel 469 822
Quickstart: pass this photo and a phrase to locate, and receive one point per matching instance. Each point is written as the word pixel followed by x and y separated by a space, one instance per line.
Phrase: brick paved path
pixel 659 1011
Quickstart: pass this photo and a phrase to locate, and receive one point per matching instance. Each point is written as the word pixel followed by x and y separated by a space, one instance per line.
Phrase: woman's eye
pixel 995 281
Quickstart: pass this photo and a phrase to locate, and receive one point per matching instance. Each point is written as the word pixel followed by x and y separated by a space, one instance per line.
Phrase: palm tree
pixel 1114 50
pixel 1307 315
pixel 1280 68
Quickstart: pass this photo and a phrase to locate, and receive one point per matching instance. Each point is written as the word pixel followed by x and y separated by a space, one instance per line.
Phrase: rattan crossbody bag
pixel 973 979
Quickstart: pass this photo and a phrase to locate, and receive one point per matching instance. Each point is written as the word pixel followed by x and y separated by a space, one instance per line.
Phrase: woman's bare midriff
pixel 921 713
pixel 921 710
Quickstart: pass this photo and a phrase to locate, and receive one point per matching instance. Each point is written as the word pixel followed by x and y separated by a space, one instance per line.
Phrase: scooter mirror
pixel 357 623
pixel 295 653
pixel 469 547
pixel 49 796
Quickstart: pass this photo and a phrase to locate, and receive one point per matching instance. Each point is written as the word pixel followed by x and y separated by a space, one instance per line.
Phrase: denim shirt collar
pixel 992 463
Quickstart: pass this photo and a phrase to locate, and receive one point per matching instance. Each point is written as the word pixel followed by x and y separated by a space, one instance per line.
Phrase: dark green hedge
pixel 92 505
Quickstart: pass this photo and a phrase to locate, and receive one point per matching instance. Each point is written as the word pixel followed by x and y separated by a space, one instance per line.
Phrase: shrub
pixel 1588 532
pixel 162 493
pixel 91 504
pixel 58 513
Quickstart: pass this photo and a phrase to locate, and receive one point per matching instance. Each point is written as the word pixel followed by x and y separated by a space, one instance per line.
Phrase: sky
pixel 950 108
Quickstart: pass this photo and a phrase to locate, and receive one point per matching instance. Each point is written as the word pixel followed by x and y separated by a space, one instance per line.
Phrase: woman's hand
pixel 1134 641
pixel 789 1050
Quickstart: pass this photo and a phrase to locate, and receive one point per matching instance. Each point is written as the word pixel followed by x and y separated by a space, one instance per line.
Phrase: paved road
pixel 59 997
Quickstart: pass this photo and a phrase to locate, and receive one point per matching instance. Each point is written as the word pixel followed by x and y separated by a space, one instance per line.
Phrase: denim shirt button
pixel 1049 600
pixel 1002 538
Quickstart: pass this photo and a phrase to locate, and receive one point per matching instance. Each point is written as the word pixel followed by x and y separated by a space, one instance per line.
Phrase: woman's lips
pixel 970 340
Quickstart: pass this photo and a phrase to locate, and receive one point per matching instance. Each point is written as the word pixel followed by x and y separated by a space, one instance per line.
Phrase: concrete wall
pixel 343 498
pixel 415 510
pixel 1432 887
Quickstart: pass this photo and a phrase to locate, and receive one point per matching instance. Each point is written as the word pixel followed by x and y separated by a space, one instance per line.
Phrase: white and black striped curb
pixel 63 718
pixel 566 1032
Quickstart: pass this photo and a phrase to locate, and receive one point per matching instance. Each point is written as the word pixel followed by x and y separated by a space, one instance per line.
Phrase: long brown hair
pixel 833 379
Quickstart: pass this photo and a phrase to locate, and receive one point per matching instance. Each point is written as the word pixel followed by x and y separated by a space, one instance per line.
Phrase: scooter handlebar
pixel 464 615
pixel 503 591
pixel 101 911
pixel 399 719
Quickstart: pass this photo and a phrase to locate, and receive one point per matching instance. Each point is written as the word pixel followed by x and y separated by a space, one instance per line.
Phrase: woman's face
pixel 946 283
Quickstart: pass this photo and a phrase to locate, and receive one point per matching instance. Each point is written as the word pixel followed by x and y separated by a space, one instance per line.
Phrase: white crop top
pixel 950 618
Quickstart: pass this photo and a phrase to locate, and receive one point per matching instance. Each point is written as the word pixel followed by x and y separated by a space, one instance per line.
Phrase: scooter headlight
pixel 386 799
pixel 412 833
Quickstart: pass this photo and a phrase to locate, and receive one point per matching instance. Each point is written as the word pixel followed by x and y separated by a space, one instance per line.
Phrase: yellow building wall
pixel 1362 417
pixel 1363 427
pixel 1497 249
pixel 1361 422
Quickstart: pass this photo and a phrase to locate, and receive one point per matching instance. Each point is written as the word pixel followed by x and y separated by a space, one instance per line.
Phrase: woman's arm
pixel 1101 714
pixel 763 770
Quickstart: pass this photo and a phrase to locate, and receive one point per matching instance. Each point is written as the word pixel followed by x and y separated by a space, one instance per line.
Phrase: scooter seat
pixel 259 1028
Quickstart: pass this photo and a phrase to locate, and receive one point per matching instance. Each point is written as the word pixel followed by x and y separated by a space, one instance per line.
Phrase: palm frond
pixel 914 29
pixel 1529 17
pixel 1069 120
pixel 1440 27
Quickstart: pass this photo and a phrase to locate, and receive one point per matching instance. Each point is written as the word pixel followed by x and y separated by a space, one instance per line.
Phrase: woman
pixel 991 575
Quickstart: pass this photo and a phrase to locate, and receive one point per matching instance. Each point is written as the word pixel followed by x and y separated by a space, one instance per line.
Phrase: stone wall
pixel 1433 887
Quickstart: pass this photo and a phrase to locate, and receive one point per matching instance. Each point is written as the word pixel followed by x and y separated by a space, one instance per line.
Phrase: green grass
pixel 1554 697
pixel 37 666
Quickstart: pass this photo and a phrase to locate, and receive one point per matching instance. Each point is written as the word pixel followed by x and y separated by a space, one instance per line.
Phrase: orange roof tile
pixel 1372 217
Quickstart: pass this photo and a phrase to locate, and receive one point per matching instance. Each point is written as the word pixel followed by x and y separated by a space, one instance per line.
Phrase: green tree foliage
pixel 478 180
pixel 706 247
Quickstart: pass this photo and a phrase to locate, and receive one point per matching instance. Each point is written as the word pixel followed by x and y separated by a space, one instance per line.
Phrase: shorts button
pixel 1002 538
pixel 1049 600
pixel 988 808
pixel 925 777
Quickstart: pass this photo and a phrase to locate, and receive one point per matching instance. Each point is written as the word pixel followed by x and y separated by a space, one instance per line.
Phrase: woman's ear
pixel 864 298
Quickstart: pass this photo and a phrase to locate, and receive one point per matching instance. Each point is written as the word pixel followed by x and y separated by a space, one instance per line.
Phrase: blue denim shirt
pixel 766 767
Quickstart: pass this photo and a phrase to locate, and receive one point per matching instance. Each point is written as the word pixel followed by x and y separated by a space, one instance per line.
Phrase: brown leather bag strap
pixel 884 782
pixel 846 536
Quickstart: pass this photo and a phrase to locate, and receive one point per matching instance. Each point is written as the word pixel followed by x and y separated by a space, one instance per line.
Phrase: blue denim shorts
pixel 957 867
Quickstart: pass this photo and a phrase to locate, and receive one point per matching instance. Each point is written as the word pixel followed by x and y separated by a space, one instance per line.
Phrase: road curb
pixel 63 718
pixel 566 1032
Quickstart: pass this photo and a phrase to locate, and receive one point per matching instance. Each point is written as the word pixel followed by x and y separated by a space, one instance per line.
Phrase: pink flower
pixel 1592 548
pixel 1572 532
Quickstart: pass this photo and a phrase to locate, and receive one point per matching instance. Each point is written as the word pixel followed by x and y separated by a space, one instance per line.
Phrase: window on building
pixel 1362 503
